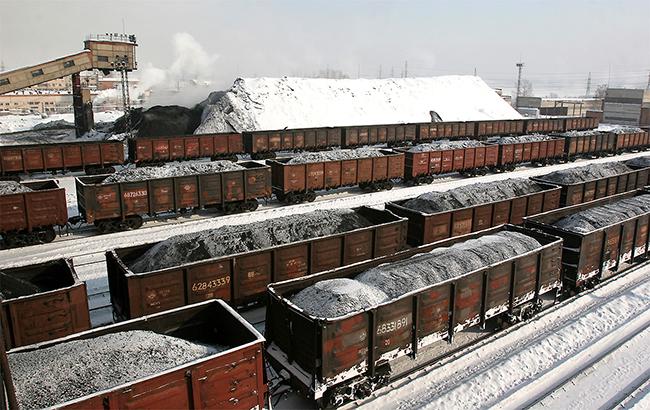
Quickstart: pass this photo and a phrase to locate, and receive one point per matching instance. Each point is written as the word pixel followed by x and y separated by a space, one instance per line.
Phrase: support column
pixel 82 106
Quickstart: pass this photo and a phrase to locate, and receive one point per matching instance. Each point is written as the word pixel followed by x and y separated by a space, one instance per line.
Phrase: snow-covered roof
pixel 275 103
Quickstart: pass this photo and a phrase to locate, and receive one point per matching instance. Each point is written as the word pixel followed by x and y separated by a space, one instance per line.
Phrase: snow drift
pixel 275 103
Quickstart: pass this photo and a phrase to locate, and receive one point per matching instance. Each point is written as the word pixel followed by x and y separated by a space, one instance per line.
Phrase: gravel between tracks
pixel 234 239
pixel 473 194
pixel 337 297
pixel 12 187
pixel 170 170
pixel 586 173
pixel 594 218
pixel 66 371
pixel 337 155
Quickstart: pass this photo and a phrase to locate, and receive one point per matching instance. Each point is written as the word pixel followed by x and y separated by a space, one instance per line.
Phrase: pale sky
pixel 559 41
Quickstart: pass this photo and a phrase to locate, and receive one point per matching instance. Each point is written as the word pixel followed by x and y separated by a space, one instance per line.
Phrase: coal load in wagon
pixel 586 133
pixel 473 194
pixel 520 139
pixel 171 170
pixel 594 218
pixel 639 162
pixel 445 145
pixel 12 187
pixel 336 155
pixel 69 370
pixel 234 239
pixel 622 129
pixel 14 287
pixel 337 297
pixel 587 173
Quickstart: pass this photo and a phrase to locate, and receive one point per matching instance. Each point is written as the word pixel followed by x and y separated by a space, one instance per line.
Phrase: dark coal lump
pixel 14 287
pixel 587 173
pixel 445 145
pixel 170 170
pixel 66 371
pixel 233 239
pixel 520 139
pixel 12 187
pixel 336 155
pixel 639 162
pixel 594 218
pixel 473 194
pixel 337 297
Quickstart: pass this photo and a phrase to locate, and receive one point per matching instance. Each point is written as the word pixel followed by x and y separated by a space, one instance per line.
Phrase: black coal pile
pixel 66 371
pixel 639 162
pixel 594 218
pixel 585 133
pixel 586 173
pixel 336 155
pixel 14 287
pixel 160 121
pixel 520 139
pixel 337 297
pixel 445 145
pixel 12 187
pixel 233 239
pixel 473 194
pixel 170 170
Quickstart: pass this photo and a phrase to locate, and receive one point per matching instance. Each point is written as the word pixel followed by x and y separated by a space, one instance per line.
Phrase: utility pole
pixel 519 67
pixel 406 68
pixel 392 72
pixel 358 70
pixel 474 71
pixel 647 87
pixel 588 85
pixel 380 71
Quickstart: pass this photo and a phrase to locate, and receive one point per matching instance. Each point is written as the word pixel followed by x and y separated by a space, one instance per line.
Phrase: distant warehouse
pixel 627 106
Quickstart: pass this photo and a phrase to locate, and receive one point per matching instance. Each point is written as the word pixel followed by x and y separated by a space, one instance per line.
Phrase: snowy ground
pixel 15 123
pixel 591 352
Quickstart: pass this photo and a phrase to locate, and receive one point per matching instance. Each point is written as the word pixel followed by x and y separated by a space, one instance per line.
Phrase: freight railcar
pixel 31 217
pixel 243 277
pixel 264 144
pixel 332 360
pixel 230 376
pixel 146 150
pixel 93 157
pixel 516 150
pixel 590 257
pixel 120 206
pixel 42 302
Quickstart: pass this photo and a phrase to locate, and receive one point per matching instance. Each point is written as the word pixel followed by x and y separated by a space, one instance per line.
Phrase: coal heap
pixel 337 297
pixel 170 170
pixel 473 194
pixel 161 121
pixel 639 162
pixel 594 218
pixel 233 239
pixel 336 155
pixel 586 173
pixel 12 187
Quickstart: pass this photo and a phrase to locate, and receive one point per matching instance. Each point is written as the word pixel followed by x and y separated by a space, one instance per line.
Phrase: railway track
pixel 466 377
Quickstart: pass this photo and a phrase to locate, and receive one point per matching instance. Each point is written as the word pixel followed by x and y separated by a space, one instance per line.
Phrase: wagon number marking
pixel 392 326
pixel 216 283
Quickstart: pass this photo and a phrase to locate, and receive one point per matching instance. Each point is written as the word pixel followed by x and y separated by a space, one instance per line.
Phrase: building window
pixel 68 64
pixel 37 73
pixel 102 58
pixel 4 81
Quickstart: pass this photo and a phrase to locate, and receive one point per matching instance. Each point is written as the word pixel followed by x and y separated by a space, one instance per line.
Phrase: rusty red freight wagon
pixel 588 144
pixel 588 258
pixel 333 359
pixel 488 128
pixel 299 182
pixel 30 217
pixel 544 125
pixel 227 379
pixel 424 228
pixel 144 150
pixel 119 206
pixel 42 302
pixel 445 130
pixel 392 135
pixel 264 144
pixel 94 157
pixel 543 152
pixel 243 277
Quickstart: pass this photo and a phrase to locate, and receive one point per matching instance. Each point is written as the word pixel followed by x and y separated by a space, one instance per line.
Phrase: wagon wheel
pixel 47 235
pixel 134 222
pixel 310 196
pixel 102 226
pixel 251 205
pixel 388 185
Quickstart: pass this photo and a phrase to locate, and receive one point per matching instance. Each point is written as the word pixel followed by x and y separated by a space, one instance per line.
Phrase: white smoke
pixel 187 81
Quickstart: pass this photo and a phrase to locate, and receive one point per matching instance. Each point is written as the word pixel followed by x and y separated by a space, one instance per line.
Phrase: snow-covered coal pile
pixel 619 129
pixel 69 370
pixel 161 121
pixel 585 133
pixel 337 297
pixel 445 144
pixel 594 218
pixel 14 287
pixel 639 162
pixel 473 194
pixel 586 173
pixel 12 187
pixel 520 139
pixel 233 239
pixel 336 155
pixel 170 170
pixel 253 104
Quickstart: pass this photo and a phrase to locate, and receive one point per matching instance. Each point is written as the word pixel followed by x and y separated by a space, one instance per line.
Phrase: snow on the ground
pixel 15 123
pixel 275 103
pixel 513 368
